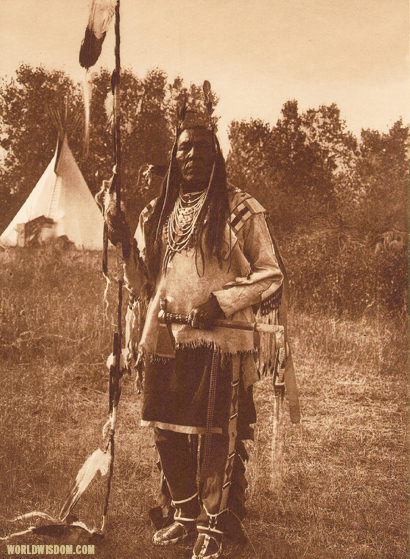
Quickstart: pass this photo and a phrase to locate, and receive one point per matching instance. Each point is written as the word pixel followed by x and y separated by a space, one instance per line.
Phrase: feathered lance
pixel 115 368
pixel 101 14
pixel 100 18
pixel 90 50
pixel 65 525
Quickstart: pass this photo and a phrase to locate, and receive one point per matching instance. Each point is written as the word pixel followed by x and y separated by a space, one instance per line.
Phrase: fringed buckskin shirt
pixel 248 275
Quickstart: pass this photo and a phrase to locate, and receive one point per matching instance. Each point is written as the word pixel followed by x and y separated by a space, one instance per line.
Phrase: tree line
pixel 314 174
pixel 36 102
pixel 338 202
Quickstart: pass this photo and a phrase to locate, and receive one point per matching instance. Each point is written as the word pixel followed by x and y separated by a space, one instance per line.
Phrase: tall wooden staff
pixel 102 12
pixel 115 368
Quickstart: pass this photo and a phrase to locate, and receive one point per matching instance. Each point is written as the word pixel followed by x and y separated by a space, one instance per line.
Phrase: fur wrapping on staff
pixel 71 530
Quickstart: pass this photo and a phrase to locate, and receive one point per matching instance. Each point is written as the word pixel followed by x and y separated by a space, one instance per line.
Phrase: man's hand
pixel 204 316
pixel 118 229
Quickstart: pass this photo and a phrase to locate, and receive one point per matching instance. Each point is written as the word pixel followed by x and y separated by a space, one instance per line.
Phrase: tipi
pixel 61 204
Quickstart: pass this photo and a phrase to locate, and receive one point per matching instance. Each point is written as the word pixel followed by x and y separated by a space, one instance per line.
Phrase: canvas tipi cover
pixel 62 195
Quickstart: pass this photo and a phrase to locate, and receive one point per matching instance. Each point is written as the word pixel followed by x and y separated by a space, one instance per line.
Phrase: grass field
pixel 345 491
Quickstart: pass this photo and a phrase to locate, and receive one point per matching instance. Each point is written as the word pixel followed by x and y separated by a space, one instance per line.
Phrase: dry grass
pixel 345 492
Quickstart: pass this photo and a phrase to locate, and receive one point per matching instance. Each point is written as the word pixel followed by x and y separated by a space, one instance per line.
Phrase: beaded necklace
pixel 181 222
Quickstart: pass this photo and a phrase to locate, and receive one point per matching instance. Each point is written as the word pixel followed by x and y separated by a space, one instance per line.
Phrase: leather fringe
pixel 271 303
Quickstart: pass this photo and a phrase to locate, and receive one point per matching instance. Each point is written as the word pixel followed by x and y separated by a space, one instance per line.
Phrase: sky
pixel 257 54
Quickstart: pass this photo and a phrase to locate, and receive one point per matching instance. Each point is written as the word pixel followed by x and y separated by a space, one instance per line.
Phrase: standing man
pixel 204 249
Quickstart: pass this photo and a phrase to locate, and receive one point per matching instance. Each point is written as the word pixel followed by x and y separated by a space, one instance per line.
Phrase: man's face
pixel 195 156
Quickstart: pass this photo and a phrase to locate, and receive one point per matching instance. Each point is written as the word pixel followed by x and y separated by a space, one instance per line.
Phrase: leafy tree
pixel 336 151
pixel 28 134
pixel 381 176
pixel 299 168
pixel 247 162
pixel 145 135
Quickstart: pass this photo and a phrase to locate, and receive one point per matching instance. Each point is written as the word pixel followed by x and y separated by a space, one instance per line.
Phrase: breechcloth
pixel 176 392
pixel 202 492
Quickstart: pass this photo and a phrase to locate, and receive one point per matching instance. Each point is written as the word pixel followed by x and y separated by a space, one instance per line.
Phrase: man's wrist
pixel 214 300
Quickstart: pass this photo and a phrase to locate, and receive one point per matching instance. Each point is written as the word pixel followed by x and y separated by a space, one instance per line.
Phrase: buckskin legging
pixel 223 473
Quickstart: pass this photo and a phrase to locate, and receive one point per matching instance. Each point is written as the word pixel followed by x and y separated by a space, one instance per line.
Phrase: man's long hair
pixel 209 231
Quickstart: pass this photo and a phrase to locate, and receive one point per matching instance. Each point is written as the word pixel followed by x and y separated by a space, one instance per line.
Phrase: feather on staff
pixel 101 14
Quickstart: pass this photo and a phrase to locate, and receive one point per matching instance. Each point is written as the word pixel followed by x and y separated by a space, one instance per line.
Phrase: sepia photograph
pixel 204 279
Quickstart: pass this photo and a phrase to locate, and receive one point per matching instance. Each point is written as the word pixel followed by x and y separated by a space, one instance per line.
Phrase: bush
pixel 345 278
